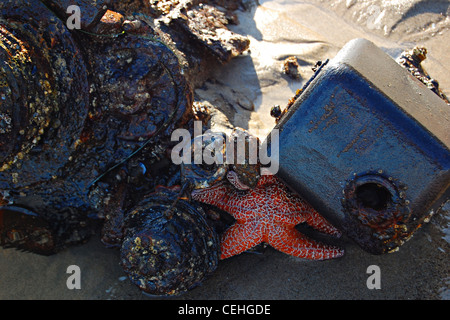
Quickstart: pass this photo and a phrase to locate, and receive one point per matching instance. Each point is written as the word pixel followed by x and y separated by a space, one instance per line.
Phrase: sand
pixel 244 91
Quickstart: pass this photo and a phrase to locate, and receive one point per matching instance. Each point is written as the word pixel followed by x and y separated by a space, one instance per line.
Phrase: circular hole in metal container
pixel 373 195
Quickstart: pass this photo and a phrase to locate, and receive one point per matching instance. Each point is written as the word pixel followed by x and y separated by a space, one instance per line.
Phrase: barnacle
pixel 85 122
pixel 168 254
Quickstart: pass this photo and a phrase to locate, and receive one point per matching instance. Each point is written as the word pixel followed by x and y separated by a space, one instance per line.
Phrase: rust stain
pixel 365 138
pixel 354 141
pixel 329 111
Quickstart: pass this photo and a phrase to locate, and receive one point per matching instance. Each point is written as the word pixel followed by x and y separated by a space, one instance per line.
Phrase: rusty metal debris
pixel 367 145
pixel 411 60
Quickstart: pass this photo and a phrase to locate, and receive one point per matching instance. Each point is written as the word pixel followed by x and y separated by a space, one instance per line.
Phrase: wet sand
pixel 244 91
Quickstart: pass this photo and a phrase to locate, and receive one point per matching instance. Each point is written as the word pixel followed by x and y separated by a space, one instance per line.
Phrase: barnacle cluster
pixel 168 248
pixel 86 116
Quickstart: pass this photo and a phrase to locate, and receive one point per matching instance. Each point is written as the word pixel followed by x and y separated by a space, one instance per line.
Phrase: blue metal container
pixel 367 145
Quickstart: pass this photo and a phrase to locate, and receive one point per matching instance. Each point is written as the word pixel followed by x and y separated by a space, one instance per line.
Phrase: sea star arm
pixel 217 195
pixel 290 241
pixel 315 220
pixel 267 179
pixel 239 238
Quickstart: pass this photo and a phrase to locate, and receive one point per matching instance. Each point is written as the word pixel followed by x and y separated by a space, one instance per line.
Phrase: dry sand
pixel 244 91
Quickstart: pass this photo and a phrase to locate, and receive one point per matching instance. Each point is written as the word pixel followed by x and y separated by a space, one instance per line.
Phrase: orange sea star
pixel 268 213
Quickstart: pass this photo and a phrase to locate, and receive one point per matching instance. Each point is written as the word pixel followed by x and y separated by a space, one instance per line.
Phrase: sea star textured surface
pixel 268 213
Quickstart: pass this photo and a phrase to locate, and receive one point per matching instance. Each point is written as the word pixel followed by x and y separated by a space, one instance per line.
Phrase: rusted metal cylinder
pixel 367 144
